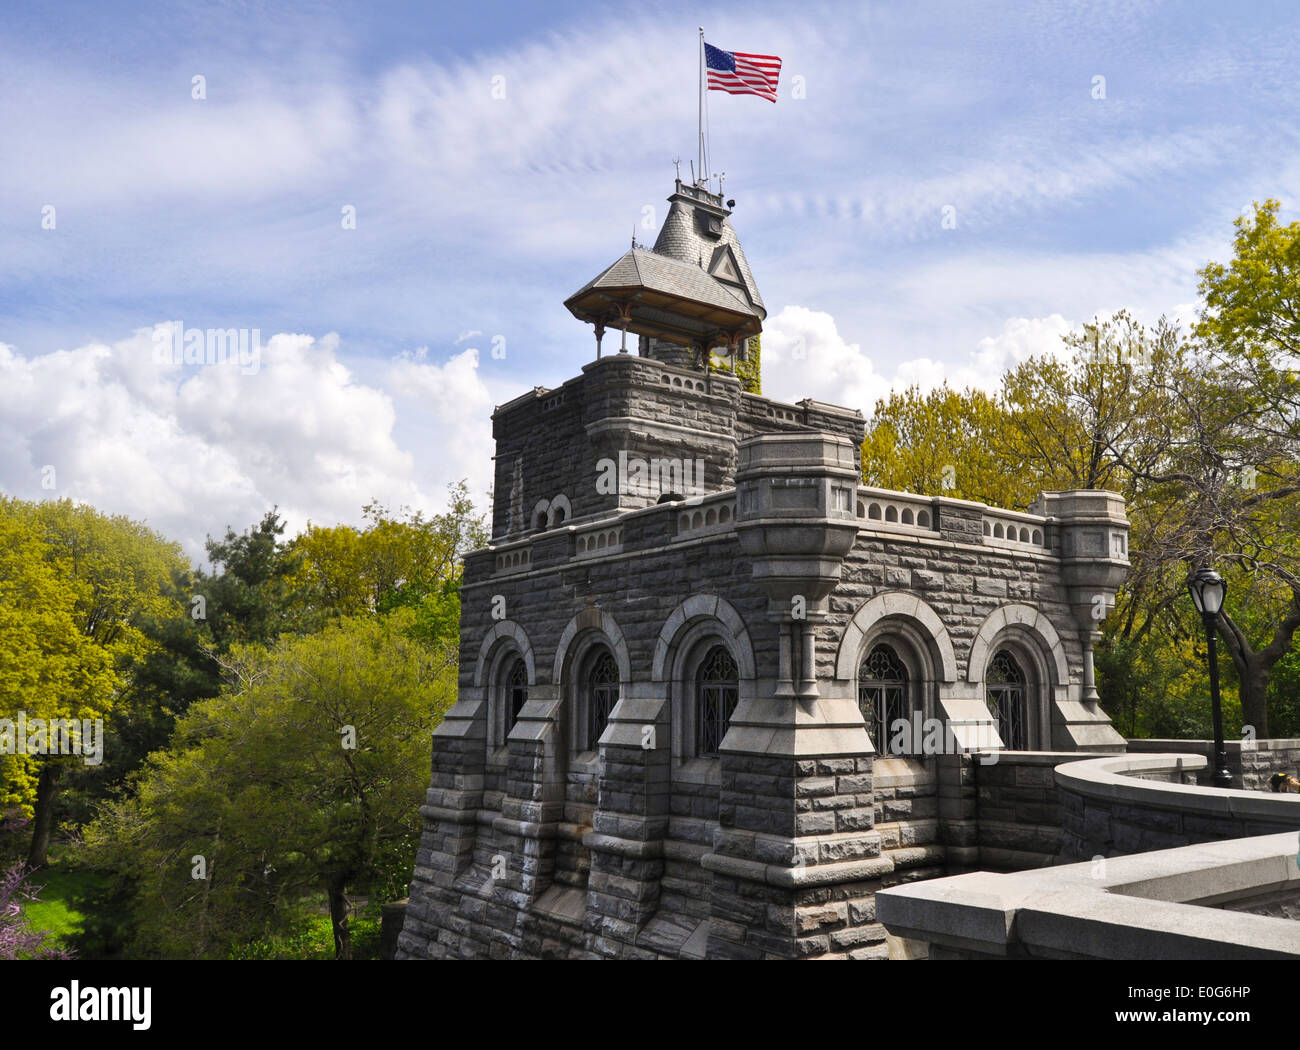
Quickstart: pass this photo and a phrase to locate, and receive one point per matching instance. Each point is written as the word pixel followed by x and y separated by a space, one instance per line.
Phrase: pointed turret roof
pixel 694 288
pixel 698 230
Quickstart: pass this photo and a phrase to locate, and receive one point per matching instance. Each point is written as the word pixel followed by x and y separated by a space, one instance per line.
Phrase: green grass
pixel 58 908
pixel 313 938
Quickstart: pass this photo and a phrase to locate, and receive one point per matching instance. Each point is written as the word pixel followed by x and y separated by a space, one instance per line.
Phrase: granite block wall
pixel 547 844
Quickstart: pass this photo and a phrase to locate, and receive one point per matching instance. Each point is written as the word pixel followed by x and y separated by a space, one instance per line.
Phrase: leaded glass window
pixel 602 695
pixel 516 692
pixel 1005 682
pixel 716 695
pixel 882 693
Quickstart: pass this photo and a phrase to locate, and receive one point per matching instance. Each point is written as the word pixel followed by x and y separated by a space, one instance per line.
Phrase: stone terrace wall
pixel 1251 763
pixel 1018 808
pixel 1135 803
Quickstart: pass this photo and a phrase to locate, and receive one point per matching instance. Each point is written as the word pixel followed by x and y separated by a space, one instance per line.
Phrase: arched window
pixel 602 695
pixel 1005 682
pixel 882 694
pixel 716 694
pixel 516 684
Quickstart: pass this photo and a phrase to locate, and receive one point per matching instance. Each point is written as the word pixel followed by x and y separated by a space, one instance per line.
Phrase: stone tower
pixel 714 692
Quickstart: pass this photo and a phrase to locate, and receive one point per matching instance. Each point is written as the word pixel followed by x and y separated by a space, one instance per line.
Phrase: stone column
pixel 1091 536
pixel 629 825
pixel 1089 638
pixel 533 805
pixel 958 827
pixel 796 859
pixel 446 850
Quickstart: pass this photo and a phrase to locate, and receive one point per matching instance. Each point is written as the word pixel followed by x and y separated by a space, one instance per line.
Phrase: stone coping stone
pixel 1198 746
pixel 1030 758
pixel 1127 907
pixel 566 904
pixel 903 771
pixel 1115 779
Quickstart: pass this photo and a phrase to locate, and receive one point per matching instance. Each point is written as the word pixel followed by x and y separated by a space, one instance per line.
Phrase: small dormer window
pixel 724 267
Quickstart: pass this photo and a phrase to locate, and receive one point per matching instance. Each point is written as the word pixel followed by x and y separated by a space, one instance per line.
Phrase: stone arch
pixel 1029 624
pixel 541 512
pixel 680 626
pixel 505 642
pixel 592 622
pixel 589 631
pixel 560 508
pixel 501 635
pixel 904 606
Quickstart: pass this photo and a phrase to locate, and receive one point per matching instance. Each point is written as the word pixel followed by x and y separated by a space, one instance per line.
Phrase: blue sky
pixel 476 216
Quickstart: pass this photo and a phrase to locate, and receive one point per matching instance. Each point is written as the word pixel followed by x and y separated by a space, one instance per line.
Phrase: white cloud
pixel 1020 339
pixel 192 450
pixel 454 398
pixel 804 355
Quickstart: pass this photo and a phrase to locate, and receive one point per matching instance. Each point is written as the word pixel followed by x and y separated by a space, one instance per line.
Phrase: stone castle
pixel 715 693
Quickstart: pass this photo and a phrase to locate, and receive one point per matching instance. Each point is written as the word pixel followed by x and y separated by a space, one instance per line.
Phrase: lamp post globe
pixel 1208 589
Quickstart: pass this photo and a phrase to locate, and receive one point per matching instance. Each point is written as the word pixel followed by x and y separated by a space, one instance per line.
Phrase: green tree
pixel 116 571
pixel 49 667
pixel 944 443
pixel 250 596
pixel 1246 442
pixel 344 571
pixel 262 784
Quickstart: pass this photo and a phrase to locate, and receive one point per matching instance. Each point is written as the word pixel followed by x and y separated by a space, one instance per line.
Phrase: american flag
pixel 739 73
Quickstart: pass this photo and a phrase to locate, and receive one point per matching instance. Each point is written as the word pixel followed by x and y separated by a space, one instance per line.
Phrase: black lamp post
pixel 1208 590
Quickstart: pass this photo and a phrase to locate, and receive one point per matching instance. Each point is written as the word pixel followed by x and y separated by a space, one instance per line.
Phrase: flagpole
pixel 699 100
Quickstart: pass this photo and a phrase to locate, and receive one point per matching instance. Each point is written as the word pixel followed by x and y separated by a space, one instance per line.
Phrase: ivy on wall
pixel 749 371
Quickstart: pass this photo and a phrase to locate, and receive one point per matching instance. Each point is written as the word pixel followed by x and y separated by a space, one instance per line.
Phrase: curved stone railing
pixel 1218 900
pixel 1124 804
pixel 1251 762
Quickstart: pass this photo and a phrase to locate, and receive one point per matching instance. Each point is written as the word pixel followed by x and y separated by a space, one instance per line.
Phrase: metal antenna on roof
pixel 677 163
pixel 633 235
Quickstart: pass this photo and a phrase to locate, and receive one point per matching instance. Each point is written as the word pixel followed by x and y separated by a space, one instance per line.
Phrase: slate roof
pixel 667 298
pixel 641 268
pixel 668 292
pixel 684 236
